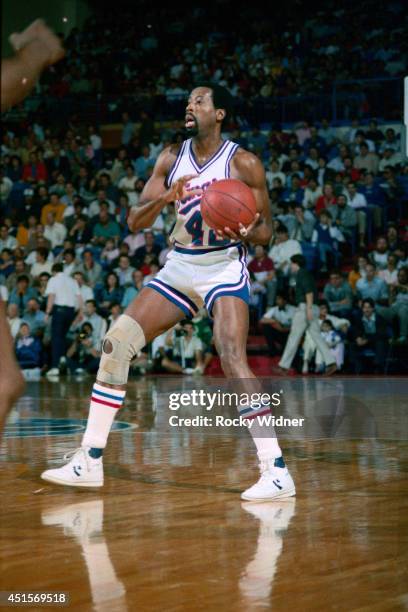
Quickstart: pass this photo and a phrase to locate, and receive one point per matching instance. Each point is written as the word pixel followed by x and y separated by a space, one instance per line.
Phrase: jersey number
pixel 194 226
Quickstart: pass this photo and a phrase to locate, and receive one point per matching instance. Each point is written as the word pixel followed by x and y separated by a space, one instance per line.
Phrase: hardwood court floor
pixel 168 532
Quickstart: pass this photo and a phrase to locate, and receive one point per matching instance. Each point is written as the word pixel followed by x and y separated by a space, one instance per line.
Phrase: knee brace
pixel 120 345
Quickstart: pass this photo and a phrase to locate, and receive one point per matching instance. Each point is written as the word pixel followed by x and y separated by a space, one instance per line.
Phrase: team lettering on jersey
pixel 190 229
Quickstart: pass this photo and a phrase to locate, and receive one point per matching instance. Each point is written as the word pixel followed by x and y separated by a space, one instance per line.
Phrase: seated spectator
pixel 56 207
pixel 372 287
pixel 327 199
pixel 143 163
pixel 390 274
pixel 41 263
pixel 374 133
pixel 282 251
pixel 35 171
pixel 335 343
pixel 372 192
pixel 115 311
pixel 273 173
pixel 13 318
pixel 344 217
pixel 84 353
pixel 313 192
pixel 339 295
pixel 294 193
pixel 28 349
pixel 124 271
pixel 369 335
pixel 90 268
pixel 184 354
pixel 105 228
pixel 90 316
pixel 358 271
pixel 22 293
pixel 6 240
pixel 68 258
pixel 109 253
pixel 127 184
pixel 85 291
pixel 54 232
pixel 41 288
pixel 149 248
pixel 20 267
pixel 261 266
pixel 326 238
pixel 398 310
pixel 94 207
pixel 132 290
pixel 6 263
pixel 105 183
pixel 366 160
pixel 303 225
pixel 80 232
pixel 379 256
pixel 112 293
pixel 154 269
pixel 34 317
pixel 358 202
pixel 394 243
pixel 310 349
pixel 276 324
pixel 390 158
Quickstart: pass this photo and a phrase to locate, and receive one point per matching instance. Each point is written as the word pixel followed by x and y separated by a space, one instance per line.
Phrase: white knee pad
pixel 126 338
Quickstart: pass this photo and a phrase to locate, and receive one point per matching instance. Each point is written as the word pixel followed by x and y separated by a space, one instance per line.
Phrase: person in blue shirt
pixel 295 193
pixel 372 286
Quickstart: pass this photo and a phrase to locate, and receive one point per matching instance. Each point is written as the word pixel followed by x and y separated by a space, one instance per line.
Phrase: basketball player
pixel 204 268
pixel 36 48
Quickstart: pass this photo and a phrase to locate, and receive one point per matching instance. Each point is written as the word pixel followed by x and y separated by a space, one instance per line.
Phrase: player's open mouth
pixel 190 122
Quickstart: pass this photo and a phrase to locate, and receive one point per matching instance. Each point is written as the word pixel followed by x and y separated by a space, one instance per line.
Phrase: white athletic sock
pixel 264 436
pixel 105 403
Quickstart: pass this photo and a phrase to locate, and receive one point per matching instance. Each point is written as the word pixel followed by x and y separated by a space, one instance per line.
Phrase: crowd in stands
pixel 257 52
pixel 336 197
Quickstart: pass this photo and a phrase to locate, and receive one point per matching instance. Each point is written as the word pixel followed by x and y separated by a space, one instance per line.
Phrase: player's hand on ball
pixel 244 232
pixel 179 190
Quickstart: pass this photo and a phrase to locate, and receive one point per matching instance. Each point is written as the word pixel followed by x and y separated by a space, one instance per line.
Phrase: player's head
pixel 207 107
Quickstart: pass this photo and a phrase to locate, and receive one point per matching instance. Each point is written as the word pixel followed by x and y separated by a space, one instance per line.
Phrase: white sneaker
pixel 53 373
pixel 81 471
pixel 274 483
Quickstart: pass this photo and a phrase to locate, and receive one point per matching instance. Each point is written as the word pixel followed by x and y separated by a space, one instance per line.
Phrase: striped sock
pixel 105 403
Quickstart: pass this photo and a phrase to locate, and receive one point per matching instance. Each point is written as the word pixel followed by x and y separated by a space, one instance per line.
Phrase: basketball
pixel 227 203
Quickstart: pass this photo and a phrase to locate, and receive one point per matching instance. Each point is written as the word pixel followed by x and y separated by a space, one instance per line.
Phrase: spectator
pixel 305 318
pixel 366 160
pixel 326 237
pixel 394 243
pixel 133 289
pixel 339 295
pixel 127 130
pixel 98 323
pixel 358 202
pixel 144 163
pixel 282 250
pixel 261 266
pixel 390 274
pixel 105 228
pixel 184 350
pixel 84 354
pixel 19 268
pixel 112 293
pixel 273 173
pixel 34 317
pixel 124 271
pixel 22 293
pixel 80 232
pixel 149 248
pixel 313 192
pixel 369 336
pixel 303 225
pixel 372 286
pixel 35 171
pixel 128 185
pixel 41 262
pixel 380 255
pixel 6 263
pixel 344 217
pixel 13 318
pixel 28 350
pixel 54 232
pixel 6 240
pixel 95 206
pixel 334 341
pixel 310 350
pixel 399 306
pixel 358 271
pixel 55 206
pixel 294 193
pixel 276 324
pixel 90 268
pixel 63 297
pixel 327 199
pixel 85 291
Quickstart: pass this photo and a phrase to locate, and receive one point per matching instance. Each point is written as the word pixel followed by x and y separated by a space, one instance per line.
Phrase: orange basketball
pixel 227 203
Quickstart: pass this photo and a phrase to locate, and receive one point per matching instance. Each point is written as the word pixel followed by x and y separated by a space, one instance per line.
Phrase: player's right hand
pixel 39 32
pixel 179 189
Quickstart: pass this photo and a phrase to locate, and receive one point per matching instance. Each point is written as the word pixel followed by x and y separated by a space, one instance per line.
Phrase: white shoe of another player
pixel 275 482
pixel 81 471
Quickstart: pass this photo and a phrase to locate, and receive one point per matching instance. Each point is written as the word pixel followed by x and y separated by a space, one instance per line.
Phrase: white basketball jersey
pixel 190 229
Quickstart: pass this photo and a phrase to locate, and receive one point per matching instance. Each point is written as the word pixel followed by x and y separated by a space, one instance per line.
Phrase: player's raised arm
pixel 155 195
pixel 248 168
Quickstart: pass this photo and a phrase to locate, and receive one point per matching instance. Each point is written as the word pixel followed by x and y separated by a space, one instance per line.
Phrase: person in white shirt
pixel 7 241
pixel 13 319
pixel 309 346
pixel 85 290
pixel 359 203
pixel 41 263
pixel 95 206
pixel 390 158
pixel 312 192
pixel 276 324
pixel 283 249
pixel 185 354
pixel 273 173
pixel 128 185
pixel 53 231
pixel 390 274
pixel 63 297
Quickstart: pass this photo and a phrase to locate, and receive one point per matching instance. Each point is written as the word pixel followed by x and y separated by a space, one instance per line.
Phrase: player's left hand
pixel 244 232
